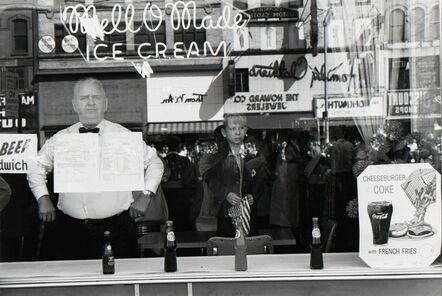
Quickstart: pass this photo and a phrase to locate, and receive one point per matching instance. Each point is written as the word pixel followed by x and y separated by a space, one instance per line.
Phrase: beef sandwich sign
pixel 399 215
pixel 16 150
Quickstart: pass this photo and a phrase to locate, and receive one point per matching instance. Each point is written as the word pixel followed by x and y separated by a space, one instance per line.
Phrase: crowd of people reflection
pixel 295 178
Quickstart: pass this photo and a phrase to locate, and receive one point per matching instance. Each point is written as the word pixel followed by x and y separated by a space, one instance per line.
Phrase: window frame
pixel 241 4
pixel 109 40
pixel 362 2
pixel 392 37
pixel 148 34
pixel 58 48
pixel 193 30
pixel 414 26
pixel 16 51
pixel 434 24
pixel 242 80
pixel 22 79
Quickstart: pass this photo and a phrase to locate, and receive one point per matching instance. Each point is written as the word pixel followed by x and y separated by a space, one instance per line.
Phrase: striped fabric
pixel 245 215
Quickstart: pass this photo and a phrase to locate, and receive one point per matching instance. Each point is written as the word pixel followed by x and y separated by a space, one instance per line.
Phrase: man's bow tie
pixel 83 130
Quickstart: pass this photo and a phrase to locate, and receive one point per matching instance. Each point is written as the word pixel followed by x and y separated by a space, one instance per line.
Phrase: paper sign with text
pixel 15 152
pixel 399 215
pixel 93 163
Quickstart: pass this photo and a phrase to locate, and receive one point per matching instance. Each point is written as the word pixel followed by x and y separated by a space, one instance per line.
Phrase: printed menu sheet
pixel 399 215
pixel 92 163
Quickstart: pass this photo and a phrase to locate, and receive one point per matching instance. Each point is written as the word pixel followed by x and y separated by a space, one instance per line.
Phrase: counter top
pixel 272 267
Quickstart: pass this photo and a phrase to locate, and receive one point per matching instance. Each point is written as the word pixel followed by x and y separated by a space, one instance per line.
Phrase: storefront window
pixel 301 97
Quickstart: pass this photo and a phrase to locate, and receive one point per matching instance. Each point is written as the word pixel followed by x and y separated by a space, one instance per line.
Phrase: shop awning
pixel 197 127
pixel 281 121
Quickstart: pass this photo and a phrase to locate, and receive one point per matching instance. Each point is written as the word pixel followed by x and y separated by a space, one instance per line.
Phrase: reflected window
pixel 362 2
pixel 397 26
pixel 20 42
pixel 417 24
pixel 111 39
pixel 434 23
pixel 425 72
pixel 366 74
pixel 399 73
pixel 191 35
pixel 240 4
pixel 268 3
pixel 22 79
pixel 242 80
pixel 268 36
pixel 146 36
pixel 61 32
pixel 295 3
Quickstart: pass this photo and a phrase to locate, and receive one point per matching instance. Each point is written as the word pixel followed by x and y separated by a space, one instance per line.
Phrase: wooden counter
pixel 344 274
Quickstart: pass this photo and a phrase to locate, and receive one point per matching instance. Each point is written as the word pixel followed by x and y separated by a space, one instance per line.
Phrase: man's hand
pixel 46 209
pixel 233 199
pixel 139 207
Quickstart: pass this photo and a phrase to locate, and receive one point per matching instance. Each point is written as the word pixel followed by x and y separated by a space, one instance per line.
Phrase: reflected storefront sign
pixel 190 97
pixel 262 102
pixel 403 104
pixel 28 113
pixel 350 107
pixel 288 83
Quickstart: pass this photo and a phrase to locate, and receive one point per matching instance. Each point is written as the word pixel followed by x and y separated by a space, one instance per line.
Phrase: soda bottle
pixel 316 261
pixel 170 264
pixel 108 255
pixel 240 248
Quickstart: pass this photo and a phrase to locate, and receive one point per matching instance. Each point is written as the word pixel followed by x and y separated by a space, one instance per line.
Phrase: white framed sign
pixel 399 215
pixel 350 107
pixel 92 163
pixel 16 150
pixel 185 96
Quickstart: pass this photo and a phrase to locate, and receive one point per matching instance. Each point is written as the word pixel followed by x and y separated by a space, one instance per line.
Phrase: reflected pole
pixel 327 18
pixel 440 70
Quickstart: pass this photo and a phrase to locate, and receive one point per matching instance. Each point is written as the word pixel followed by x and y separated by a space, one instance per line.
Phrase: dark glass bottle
pixel 108 255
pixel 240 248
pixel 170 264
pixel 316 261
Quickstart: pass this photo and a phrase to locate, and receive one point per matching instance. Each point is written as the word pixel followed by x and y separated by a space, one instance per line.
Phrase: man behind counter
pixel 83 217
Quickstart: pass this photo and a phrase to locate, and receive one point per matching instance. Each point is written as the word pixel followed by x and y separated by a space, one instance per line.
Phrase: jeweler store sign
pixel 399 215
pixel 16 150
pixel 262 102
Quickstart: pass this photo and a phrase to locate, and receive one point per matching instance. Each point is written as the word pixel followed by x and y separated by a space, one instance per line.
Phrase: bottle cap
pixel 169 223
pixel 107 233
pixel 315 219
